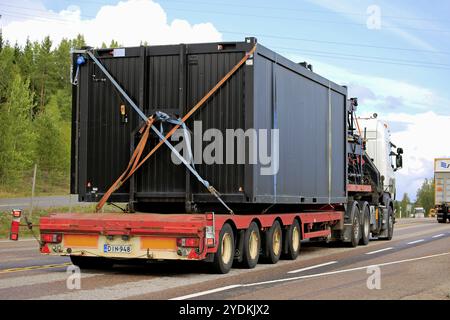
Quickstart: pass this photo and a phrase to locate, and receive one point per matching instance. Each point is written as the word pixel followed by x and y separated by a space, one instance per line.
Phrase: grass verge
pixel 5 218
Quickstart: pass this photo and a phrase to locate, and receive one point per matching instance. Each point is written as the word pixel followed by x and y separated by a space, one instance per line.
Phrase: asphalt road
pixel 7 204
pixel 414 265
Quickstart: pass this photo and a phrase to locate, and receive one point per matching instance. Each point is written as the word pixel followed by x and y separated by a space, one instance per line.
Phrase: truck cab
pixel 386 156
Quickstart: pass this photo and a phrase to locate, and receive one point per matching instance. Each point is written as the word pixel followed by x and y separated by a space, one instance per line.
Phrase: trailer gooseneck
pixel 327 185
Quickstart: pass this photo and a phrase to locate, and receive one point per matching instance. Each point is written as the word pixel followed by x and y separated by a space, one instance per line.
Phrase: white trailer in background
pixel 442 189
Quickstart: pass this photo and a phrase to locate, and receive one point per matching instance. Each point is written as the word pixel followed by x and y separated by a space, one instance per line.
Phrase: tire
pixel 223 258
pixel 365 226
pixel 98 263
pixel 252 246
pixel 274 243
pixel 390 223
pixel 292 241
pixel 356 227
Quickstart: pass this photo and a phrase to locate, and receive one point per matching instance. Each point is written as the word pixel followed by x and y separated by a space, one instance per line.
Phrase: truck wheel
pixel 390 230
pixel 91 262
pixel 274 243
pixel 365 226
pixel 223 259
pixel 252 246
pixel 356 227
pixel 292 241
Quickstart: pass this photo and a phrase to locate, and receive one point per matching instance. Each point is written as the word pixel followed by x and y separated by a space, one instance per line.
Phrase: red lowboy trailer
pixel 182 236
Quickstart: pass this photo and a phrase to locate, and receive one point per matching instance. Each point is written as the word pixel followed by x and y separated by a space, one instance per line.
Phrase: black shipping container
pixel 268 91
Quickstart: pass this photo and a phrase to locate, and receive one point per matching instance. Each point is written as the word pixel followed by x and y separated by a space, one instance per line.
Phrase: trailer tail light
pixel 51 237
pixel 16 213
pixel 210 233
pixel 15 224
pixel 188 242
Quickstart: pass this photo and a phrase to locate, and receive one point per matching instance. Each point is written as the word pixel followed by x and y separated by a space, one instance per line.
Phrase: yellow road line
pixel 48 266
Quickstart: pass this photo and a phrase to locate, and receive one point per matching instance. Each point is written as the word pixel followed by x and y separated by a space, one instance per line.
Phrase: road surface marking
pixel 48 266
pixel 417 241
pixel 439 235
pixel 40 279
pixel 307 276
pixel 346 270
pixel 203 293
pixel 381 250
pixel 134 288
pixel 313 267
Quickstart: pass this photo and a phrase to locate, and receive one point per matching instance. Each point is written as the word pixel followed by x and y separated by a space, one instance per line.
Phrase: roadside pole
pixel 32 191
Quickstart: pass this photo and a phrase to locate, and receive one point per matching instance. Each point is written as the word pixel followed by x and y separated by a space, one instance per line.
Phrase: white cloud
pixel 382 94
pixel 399 28
pixel 424 138
pixel 128 22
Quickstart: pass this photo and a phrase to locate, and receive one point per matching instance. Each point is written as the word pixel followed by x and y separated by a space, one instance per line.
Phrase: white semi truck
pixel 385 155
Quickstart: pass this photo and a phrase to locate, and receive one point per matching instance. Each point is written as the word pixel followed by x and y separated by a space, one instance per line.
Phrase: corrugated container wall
pixel 267 92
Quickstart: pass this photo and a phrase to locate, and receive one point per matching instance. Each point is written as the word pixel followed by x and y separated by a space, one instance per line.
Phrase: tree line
pixel 35 113
pixel 424 199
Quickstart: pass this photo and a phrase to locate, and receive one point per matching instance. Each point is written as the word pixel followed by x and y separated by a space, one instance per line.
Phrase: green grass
pixel 5 218
pixel 43 188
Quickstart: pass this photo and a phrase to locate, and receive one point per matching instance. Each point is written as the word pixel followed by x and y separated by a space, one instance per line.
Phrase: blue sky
pixel 400 71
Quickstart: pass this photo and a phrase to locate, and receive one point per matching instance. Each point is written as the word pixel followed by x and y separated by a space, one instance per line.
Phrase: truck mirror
pixel 399 161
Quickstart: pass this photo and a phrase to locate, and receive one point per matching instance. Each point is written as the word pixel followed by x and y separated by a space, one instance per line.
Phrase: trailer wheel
pixel 252 246
pixel 443 219
pixel 223 258
pixel 356 227
pixel 91 262
pixel 292 241
pixel 274 243
pixel 365 226
pixel 390 224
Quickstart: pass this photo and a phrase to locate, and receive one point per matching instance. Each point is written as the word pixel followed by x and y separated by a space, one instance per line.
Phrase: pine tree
pixel 8 68
pixel 114 44
pixel 17 147
pixel 45 72
pixel 52 145
pixel 404 205
pixel 79 42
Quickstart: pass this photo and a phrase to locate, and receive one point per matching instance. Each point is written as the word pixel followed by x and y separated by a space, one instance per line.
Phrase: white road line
pixel 438 235
pixel 381 250
pixel 203 293
pixel 417 241
pixel 308 276
pixel 345 270
pixel 313 267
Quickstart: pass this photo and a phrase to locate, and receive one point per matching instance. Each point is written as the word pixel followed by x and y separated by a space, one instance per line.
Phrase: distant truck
pixel 419 212
pixel 442 189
